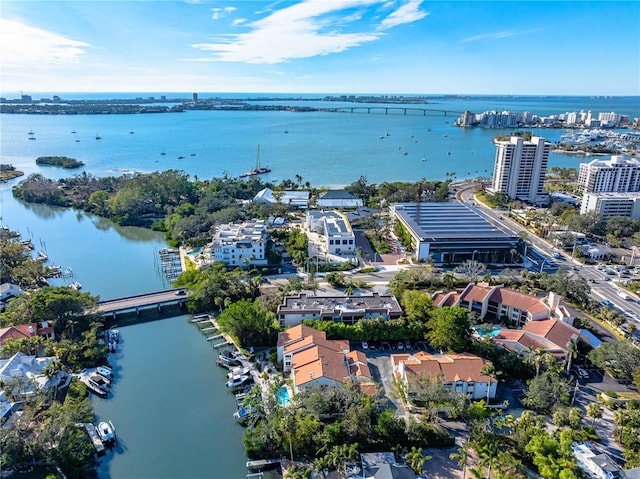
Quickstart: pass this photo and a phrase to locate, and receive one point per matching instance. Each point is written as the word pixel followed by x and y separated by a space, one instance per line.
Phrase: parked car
pixel 365 345
pixel 407 345
pixel 582 373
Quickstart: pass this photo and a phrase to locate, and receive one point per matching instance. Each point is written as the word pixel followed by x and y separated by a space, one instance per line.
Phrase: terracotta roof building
pixel 314 360
pixel 461 373
pixel 25 331
pixel 498 303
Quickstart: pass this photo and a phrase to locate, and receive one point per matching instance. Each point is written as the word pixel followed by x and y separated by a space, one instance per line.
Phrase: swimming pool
pixel 488 333
pixel 283 396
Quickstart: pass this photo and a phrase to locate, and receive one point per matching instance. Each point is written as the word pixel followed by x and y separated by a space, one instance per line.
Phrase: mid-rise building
pixel 346 309
pixel 616 175
pixel 607 205
pixel 242 244
pixel 520 168
pixel 334 230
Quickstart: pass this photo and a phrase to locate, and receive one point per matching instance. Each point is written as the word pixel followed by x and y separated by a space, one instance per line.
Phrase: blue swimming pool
pixel 283 396
pixel 488 332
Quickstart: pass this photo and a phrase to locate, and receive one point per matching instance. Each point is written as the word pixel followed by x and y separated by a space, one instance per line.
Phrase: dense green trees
pixel 250 323
pixel 620 358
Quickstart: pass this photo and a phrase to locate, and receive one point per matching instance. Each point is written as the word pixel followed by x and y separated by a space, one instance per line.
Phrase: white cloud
pixel 21 44
pixel 305 29
pixel 498 35
pixel 218 13
pixel 238 21
pixel 407 13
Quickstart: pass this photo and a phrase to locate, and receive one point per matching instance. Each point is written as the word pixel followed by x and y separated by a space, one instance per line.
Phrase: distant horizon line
pixel 254 93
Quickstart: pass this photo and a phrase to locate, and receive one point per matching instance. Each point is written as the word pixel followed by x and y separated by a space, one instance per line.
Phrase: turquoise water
pixel 170 407
pixel 324 148
pixel 283 396
pixel 491 333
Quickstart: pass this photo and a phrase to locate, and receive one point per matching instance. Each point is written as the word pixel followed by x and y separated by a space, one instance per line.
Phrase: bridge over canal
pixel 112 307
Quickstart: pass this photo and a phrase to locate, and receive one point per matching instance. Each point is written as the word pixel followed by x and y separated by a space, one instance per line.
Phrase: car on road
pixel 556 255
pixel 582 373
pixel 180 292
pixel 623 295
pixel 606 302
pixel 591 280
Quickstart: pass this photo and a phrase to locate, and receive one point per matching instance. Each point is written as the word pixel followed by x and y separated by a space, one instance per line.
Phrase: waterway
pixel 169 404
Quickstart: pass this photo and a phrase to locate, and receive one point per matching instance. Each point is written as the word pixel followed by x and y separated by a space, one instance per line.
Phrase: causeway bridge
pixel 393 109
pixel 128 304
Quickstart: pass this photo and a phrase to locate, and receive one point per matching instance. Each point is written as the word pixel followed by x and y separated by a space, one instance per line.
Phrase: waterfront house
pixel 8 291
pixel 462 373
pixel 26 374
pixel 595 464
pixel 292 198
pixel 383 465
pixel 312 360
pixel 243 244
pixel 25 331
pixel 347 309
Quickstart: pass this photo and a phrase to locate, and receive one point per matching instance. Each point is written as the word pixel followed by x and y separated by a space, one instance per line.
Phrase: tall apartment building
pixel 617 175
pixel 520 168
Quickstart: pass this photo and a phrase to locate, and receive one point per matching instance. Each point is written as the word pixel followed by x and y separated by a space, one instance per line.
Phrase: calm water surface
pixel 169 404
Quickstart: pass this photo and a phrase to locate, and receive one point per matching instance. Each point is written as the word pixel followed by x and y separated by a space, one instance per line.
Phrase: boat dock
pixel 217 336
pixel 93 435
pixel 262 463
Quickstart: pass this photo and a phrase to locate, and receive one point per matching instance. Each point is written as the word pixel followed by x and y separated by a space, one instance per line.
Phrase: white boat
pixel 100 380
pixel 95 388
pixel 243 413
pixel 238 381
pixel 113 335
pixel 106 432
pixel 237 371
pixel 105 371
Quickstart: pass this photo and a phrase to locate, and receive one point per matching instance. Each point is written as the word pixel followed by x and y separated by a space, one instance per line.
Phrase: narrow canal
pixel 169 403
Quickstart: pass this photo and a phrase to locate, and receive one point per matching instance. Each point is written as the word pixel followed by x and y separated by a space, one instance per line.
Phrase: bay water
pixel 169 404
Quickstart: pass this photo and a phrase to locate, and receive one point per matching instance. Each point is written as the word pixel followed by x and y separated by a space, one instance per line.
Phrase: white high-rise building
pixel 520 168
pixel 617 175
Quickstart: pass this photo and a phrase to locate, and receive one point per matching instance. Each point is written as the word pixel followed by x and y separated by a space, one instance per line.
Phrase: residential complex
pixel 520 168
pixel 241 244
pixel 338 199
pixel 500 303
pixel 616 175
pixel 453 232
pixel 312 360
pixel 463 373
pixel 346 309
pixel 611 187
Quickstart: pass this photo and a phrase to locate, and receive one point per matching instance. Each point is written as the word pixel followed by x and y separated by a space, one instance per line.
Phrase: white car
pixel 365 345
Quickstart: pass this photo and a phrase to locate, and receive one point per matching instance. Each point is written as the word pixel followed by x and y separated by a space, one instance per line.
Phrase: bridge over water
pixel 142 301
pixel 404 109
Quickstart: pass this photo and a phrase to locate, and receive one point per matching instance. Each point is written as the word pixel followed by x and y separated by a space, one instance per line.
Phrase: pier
pixel 93 435
pixel 141 301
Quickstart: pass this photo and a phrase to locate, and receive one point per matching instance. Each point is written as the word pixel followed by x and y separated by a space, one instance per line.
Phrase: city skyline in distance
pixel 337 46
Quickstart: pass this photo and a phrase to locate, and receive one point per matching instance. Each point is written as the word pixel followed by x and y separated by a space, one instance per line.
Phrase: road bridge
pixel 387 109
pixel 142 301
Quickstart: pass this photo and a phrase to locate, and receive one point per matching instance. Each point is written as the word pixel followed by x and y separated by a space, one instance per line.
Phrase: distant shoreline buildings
pixel 512 119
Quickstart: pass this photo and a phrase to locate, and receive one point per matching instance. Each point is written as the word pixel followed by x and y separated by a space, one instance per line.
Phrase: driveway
pixel 381 370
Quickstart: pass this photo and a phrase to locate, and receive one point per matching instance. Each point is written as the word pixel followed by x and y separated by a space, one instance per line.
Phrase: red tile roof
pixel 298 332
pixel 555 331
pixel 475 292
pixel 516 299
pixel 453 367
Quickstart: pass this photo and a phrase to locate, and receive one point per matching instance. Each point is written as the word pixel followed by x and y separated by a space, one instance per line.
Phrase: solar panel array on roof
pixel 448 220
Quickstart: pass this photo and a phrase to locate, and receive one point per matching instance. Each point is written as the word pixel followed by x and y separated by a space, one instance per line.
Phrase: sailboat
pixel 257 170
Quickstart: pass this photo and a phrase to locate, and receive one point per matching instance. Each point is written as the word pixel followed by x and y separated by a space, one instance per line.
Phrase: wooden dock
pixel 262 463
pixel 217 336
pixel 93 435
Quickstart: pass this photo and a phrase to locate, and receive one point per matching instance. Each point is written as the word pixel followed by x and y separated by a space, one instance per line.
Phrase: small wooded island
pixel 62 161
pixel 8 172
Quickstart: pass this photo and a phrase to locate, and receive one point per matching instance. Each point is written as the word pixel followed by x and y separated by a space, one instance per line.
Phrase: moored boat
pixel 105 371
pixel 239 381
pixel 95 388
pixel 106 432
pixel 100 380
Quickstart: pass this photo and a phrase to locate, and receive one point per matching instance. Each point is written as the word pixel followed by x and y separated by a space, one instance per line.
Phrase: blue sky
pixel 321 46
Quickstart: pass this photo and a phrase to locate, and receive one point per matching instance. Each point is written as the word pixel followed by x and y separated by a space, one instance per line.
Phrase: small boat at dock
pixel 95 388
pixel 105 371
pixel 100 380
pixel 239 381
pixel 106 432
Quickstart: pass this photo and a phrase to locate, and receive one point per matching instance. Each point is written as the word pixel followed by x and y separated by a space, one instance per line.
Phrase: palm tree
pixel 572 349
pixel 594 411
pixel 538 355
pixel 449 279
pixel 462 456
pixel 416 459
